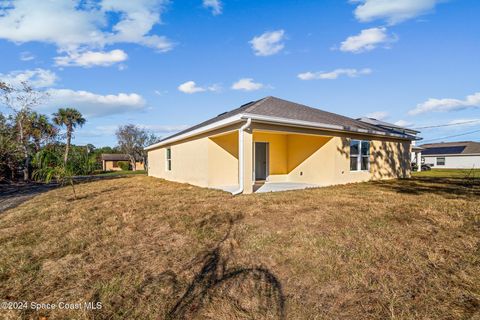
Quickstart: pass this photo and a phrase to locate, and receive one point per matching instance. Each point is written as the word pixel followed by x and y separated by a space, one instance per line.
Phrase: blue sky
pixel 165 65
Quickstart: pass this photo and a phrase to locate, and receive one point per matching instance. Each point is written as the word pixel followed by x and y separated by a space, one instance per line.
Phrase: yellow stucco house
pixel 273 144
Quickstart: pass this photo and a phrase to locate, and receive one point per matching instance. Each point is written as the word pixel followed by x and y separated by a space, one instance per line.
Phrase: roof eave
pixel 317 125
pixel 275 120
pixel 216 125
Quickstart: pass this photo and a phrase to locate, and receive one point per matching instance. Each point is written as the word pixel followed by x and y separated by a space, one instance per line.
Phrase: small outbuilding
pixel 110 161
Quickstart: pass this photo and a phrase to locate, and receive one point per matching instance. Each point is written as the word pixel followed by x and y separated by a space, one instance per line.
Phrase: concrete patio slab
pixel 284 186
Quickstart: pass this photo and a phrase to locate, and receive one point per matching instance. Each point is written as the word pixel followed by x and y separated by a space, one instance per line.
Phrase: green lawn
pixel 449 173
pixel 146 248
pixel 122 172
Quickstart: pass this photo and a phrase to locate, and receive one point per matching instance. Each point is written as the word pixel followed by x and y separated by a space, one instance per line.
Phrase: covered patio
pixel 276 161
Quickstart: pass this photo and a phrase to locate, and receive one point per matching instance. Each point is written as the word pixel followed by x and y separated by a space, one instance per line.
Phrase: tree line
pixel 35 146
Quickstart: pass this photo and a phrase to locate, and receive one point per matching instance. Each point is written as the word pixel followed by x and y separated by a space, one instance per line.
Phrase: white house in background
pixel 452 155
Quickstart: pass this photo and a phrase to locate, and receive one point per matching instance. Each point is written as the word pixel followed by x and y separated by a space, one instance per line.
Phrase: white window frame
pixel 444 161
pixel 168 160
pixel 359 155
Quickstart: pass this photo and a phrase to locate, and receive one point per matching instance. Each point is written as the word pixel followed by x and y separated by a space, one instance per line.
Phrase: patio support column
pixel 419 161
pixel 248 161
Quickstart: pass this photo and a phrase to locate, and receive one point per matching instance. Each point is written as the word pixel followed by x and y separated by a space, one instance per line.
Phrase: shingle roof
pixel 387 125
pixel 460 147
pixel 275 107
pixel 114 157
pixel 221 116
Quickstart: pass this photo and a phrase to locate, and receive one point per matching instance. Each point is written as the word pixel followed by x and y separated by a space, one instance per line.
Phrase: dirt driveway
pixel 14 194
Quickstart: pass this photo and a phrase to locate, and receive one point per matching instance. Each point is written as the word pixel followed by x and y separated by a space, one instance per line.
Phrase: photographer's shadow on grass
pixel 228 291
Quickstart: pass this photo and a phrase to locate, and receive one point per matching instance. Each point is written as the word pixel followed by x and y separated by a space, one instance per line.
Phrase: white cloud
pixel 92 58
pixel 366 40
pixel 393 11
pixel 403 123
pixel 247 84
pixel 160 92
pixel 139 17
pixel 109 130
pixel 97 131
pixel 191 87
pixel 351 73
pixel 57 22
pixel 214 87
pixel 92 104
pixel 165 128
pixel 39 78
pixel 78 26
pixel 447 104
pixel 379 115
pixel 268 43
pixel 26 56
pixel 214 5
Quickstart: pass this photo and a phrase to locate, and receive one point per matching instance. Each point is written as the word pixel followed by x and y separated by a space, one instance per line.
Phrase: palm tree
pixel 40 129
pixel 70 118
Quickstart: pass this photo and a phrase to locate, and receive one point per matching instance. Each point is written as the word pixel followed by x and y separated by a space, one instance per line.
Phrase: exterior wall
pixel 108 165
pixel 189 162
pixel 295 155
pixel 277 148
pixel 319 158
pixel 390 159
pixel 223 160
pixel 208 160
pixel 455 161
pixel 140 165
pixel 312 159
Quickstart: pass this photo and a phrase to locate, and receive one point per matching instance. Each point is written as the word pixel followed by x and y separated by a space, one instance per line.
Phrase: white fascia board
pixel 317 125
pixel 300 123
pixel 210 127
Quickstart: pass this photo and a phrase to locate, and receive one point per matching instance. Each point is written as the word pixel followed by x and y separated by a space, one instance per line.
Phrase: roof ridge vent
pixel 245 104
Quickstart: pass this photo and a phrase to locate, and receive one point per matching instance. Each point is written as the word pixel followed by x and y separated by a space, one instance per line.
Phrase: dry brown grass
pixel 151 249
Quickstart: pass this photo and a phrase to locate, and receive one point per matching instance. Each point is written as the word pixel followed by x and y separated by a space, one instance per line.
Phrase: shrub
pixel 124 165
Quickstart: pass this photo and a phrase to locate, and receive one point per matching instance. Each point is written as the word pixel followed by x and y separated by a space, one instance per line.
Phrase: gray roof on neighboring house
pixel 278 108
pixel 114 157
pixel 445 148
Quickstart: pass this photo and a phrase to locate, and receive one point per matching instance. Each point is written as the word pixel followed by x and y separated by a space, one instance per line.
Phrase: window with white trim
pixel 168 159
pixel 359 155
pixel 440 161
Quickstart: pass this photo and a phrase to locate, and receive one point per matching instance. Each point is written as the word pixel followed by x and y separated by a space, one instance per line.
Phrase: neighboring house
pixel 416 156
pixel 273 144
pixel 110 161
pixel 452 155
